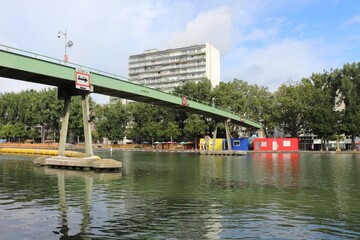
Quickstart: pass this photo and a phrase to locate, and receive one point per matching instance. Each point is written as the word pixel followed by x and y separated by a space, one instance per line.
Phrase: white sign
pixel 82 80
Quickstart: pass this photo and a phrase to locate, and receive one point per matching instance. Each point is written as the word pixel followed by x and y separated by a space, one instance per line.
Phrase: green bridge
pixel 73 79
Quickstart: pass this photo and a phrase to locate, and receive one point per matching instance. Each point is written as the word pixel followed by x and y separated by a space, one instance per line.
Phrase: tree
pixel 152 130
pixel 289 108
pixel 9 108
pixel 111 121
pixel 6 131
pixel 349 93
pixel 49 109
pixel 16 132
pixel 250 101
pixel 199 91
pixel 172 130
pixel 194 126
pixel 19 131
pixel 143 118
pixel 320 117
pixel 76 124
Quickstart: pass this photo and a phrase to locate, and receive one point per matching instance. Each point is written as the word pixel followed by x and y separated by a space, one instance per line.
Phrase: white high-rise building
pixel 167 69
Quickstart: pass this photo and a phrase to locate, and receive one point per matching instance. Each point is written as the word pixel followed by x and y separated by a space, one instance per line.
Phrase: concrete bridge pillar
pixel 64 125
pixel 66 95
pixel 87 128
pixel 214 137
pixel 228 136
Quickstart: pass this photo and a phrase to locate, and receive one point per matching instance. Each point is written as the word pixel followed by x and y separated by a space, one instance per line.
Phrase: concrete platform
pixel 223 152
pixel 87 163
pixel 101 176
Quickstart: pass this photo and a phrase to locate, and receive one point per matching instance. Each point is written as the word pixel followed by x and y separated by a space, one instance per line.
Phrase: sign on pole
pixel 82 80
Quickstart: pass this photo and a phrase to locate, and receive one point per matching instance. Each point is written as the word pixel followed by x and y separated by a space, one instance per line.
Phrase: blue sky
pixel 264 42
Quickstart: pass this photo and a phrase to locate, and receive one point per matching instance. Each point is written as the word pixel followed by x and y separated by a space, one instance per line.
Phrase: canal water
pixel 184 196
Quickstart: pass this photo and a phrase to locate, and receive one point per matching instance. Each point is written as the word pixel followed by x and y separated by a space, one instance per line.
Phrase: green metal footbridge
pixel 69 77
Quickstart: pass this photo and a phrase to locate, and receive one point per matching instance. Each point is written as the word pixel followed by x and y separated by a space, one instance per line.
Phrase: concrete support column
pixel 214 137
pixel 87 129
pixel 228 137
pixel 64 126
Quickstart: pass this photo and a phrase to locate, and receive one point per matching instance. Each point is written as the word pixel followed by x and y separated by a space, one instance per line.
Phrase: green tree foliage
pixel 171 131
pixel 289 108
pixel 111 121
pixel 349 93
pixel 194 127
pixel 153 130
pixel 250 101
pixel 9 108
pixel 33 108
pixel 50 110
pixel 320 116
pixel 76 125
pixel 149 122
pixel 199 91
pixel 17 132
pixel 6 131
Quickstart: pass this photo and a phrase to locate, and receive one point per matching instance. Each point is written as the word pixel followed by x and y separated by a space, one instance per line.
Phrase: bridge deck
pixel 31 67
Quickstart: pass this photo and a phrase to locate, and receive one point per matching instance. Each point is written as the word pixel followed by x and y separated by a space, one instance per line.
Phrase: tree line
pixel 326 104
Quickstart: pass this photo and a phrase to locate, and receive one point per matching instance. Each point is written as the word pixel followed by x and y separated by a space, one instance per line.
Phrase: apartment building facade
pixel 167 69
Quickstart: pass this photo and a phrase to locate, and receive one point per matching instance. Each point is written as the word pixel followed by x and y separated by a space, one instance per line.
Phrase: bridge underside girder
pixel 32 77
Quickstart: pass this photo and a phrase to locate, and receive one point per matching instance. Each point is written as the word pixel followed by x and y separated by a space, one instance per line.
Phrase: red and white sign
pixel 82 80
pixel 184 101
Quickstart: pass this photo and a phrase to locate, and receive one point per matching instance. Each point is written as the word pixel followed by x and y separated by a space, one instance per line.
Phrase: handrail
pixel 58 61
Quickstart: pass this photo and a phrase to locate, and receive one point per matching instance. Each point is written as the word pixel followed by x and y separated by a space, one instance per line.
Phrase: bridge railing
pixel 59 61
pixel 94 70
pixel 209 104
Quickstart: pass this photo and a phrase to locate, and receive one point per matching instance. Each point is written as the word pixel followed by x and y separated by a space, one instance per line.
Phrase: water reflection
pixel 289 192
pixel 277 169
pixel 185 196
pixel 264 169
pixel 85 205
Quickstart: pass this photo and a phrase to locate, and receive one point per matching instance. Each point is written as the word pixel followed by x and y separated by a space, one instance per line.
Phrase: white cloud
pixel 213 26
pixel 258 34
pixel 353 20
pixel 274 64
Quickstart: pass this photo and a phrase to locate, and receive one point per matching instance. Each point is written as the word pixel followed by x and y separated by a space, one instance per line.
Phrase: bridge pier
pixel 228 134
pixel 64 125
pixel 65 122
pixel 87 129
pixel 89 161
pixel 214 137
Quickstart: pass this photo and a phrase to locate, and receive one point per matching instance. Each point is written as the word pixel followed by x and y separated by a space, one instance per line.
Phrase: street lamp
pixel 67 44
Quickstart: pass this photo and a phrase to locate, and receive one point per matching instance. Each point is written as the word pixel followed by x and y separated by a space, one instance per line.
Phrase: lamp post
pixel 67 44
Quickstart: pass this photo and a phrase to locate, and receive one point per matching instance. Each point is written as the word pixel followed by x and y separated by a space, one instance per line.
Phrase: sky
pixel 263 42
